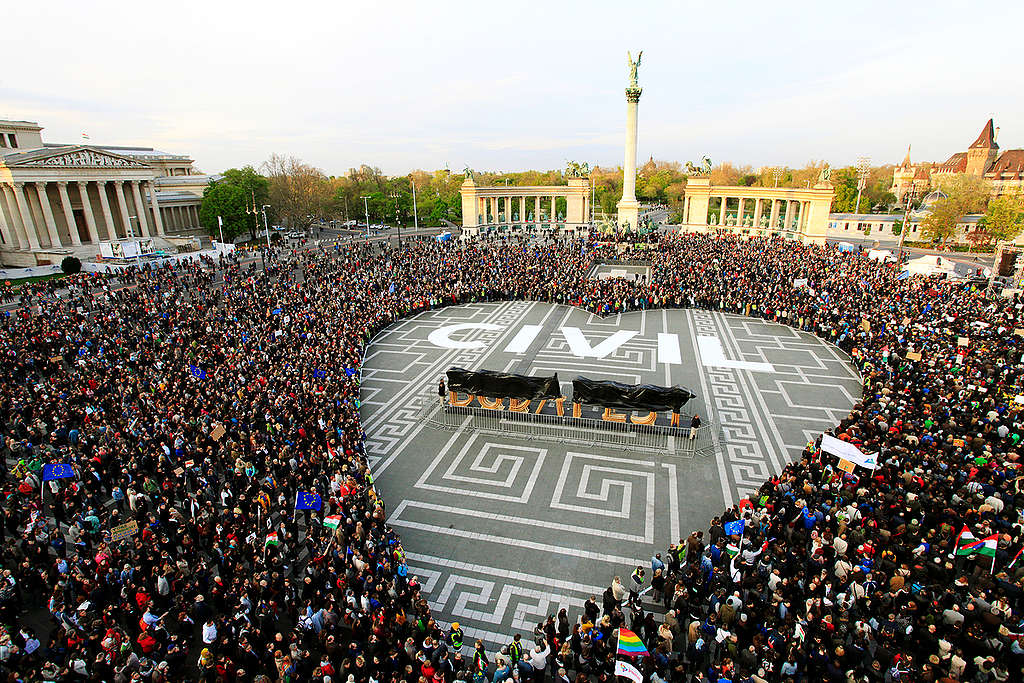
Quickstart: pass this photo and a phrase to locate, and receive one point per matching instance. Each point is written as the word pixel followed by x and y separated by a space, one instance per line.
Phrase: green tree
pixel 229 197
pixel 940 224
pixel 1004 218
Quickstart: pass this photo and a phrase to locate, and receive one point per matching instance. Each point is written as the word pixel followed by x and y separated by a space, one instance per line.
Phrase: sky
pixel 505 86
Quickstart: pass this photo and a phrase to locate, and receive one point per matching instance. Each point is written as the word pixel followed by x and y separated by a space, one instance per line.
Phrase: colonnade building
pixel 60 199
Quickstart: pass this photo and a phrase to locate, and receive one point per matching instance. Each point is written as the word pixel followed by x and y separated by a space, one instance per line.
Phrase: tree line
pixel 297 195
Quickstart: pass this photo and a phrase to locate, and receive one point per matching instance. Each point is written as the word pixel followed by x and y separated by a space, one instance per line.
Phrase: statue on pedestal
pixel 633 66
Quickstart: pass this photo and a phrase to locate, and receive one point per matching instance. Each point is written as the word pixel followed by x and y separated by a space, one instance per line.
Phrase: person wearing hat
pixel 455 638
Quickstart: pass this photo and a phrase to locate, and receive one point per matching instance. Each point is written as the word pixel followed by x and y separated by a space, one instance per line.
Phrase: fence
pixel 572 430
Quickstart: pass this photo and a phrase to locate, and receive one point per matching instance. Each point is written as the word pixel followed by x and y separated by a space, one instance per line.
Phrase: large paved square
pixel 504 531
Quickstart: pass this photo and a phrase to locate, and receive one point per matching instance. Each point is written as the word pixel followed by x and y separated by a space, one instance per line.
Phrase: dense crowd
pixel 198 401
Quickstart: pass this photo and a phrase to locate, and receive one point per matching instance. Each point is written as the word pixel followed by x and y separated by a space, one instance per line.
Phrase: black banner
pixel 502 384
pixel 629 396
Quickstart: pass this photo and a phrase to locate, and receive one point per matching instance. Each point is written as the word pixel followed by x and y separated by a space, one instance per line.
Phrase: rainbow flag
pixel 630 644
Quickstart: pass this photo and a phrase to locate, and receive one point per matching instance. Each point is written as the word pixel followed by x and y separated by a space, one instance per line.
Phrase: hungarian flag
pixel 982 546
pixel 1016 557
pixel 330 452
pixel 630 644
pixel 271 539
pixel 332 521
pixel 965 538
pixel 733 550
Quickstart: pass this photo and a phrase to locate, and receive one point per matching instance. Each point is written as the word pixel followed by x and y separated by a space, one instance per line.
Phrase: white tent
pixel 880 255
pixel 929 265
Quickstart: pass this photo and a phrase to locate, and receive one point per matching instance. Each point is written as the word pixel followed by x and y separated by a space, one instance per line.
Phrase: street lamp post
pixel 265 226
pixel 256 217
pixel 906 224
pixel 366 208
pixel 396 196
pixel 776 174
pixel 863 166
pixel 415 217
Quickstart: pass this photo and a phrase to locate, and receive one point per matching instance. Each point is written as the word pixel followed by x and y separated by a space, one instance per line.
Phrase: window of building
pixel 13 139
pixel 3 139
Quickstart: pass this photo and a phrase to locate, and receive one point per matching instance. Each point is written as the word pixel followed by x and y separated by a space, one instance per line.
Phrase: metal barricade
pixel 571 430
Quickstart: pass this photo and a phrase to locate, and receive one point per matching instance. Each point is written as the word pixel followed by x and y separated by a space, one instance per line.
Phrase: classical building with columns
pixel 794 213
pixel 58 199
pixel 502 205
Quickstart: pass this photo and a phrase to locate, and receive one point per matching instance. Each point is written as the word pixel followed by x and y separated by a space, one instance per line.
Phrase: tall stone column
pixel 9 232
pixel 724 208
pixel 140 209
pixel 20 227
pixel 26 215
pixel 536 209
pixel 157 218
pixel 628 207
pixel 773 221
pixel 522 210
pixel 51 224
pixel 789 215
pixel 122 206
pixel 69 216
pixel 90 219
pixel 108 218
pixel 757 213
pixel 739 212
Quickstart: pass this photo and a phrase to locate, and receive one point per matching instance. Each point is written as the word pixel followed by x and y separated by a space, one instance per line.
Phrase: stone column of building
pixel 789 215
pixel 108 218
pixel 9 232
pixel 773 220
pixel 140 209
pixel 536 209
pixel 44 206
pixel 157 218
pixel 90 219
pixel 522 210
pixel 739 212
pixel 721 213
pixel 757 213
pixel 69 216
pixel 122 205
pixel 20 230
pixel 26 215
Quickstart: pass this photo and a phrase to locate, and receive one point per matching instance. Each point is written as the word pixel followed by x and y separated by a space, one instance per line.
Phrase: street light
pixel 256 217
pixel 367 210
pixel 863 166
pixel 906 223
pixel 415 217
pixel 265 226
pixel 396 196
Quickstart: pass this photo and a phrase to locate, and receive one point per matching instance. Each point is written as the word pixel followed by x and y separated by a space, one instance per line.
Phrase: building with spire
pixel 983 159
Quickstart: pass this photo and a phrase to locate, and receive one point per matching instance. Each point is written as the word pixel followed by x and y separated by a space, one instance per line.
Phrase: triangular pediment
pixel 73 157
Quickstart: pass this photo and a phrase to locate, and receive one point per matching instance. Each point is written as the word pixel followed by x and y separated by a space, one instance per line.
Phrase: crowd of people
pixel 195 404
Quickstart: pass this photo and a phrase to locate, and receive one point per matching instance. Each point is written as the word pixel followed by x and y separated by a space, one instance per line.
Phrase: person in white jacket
pixel 539 660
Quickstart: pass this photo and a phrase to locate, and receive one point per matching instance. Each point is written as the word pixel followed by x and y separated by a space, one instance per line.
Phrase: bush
pixel 71 265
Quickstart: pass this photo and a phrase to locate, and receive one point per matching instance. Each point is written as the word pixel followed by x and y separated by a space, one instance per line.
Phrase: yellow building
pixel 1003 170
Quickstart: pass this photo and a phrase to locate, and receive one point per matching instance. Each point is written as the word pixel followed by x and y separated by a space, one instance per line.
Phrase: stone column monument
pixel 628 208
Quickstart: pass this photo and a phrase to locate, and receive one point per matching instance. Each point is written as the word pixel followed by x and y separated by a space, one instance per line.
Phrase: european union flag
pixel 319 373
pixel 735 528
pixel 307 501
pixel 57 471
pixel 391 289
pixel 276 311
pixel 350 371
pixel 197 371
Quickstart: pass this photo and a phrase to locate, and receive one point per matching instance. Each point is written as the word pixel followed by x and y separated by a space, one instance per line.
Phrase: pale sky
pixel 515 85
